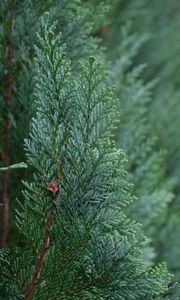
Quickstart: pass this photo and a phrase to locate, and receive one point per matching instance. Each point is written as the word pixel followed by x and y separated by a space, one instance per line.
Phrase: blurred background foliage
pixel 154 40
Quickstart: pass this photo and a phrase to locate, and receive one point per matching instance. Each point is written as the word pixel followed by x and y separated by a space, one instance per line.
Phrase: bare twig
pixel 46 243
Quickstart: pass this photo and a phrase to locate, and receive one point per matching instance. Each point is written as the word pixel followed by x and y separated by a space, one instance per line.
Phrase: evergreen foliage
pixel 19 22
pixel 146 166
pixel 76 23
pixel 144 163
pixel 78 239
pixel 160 20
pixel 74 240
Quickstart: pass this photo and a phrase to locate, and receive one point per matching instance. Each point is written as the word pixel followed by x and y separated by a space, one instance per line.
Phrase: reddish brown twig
pixel 46 243
pixel 6 136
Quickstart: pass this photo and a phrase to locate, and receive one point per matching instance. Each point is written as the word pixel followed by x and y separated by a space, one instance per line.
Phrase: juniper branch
pixel 45 247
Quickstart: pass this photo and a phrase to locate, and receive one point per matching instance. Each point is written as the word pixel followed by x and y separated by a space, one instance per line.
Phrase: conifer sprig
pixel 90 250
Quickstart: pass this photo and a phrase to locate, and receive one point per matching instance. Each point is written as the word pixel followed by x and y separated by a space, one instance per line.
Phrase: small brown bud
pixel 53 187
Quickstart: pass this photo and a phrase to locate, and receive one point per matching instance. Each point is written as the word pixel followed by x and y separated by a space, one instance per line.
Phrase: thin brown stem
pixel 45 247
pixel 6 135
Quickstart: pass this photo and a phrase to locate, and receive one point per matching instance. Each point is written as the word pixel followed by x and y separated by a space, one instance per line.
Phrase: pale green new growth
pixel 15 166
